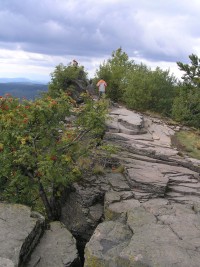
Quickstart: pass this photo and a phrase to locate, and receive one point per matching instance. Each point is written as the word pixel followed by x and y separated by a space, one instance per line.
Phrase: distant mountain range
pixel 22 87
pixel 21 80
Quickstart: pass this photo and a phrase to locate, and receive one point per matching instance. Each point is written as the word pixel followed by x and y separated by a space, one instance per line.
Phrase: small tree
pixel 138 90
pixel 186 106
pixel 40 152
pixel 191 71
pixel 163 91
pixel 114 71
pixel 70 79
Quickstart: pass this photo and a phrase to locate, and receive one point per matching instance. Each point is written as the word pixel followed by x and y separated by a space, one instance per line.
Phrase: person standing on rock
pixel 102 87
pixel 74 63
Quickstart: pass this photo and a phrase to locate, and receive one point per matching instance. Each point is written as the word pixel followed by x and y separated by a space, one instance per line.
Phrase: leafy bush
pixel 186 106
pixel 40 151
pixel 188 142
pixel 138 90
pixel 64 79
pixel 150 90
pixel 114 72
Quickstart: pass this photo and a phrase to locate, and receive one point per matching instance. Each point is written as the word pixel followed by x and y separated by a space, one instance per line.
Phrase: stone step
pixel 116 126
pixel 125 130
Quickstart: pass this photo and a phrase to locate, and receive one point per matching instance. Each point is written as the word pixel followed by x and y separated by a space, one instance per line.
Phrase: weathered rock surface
pixel 147 216
pixel 109 238
pixel 57 248
pixel 83 209
pixel 121 122
pixel 20 231
pixel 160 234
pixel 152 211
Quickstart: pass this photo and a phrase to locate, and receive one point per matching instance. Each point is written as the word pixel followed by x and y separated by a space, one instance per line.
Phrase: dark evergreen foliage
pixel 186 107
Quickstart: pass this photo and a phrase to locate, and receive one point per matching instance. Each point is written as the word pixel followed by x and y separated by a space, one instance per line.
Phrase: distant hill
pixel 29 90
pixel 20 80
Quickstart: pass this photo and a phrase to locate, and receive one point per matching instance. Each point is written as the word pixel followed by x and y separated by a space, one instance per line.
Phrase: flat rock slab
pixel 108 239
pixel 6 262
pixel 151 147
pixel 130 119
pixel 119 209
pixel 139 137
pixel 19 233
pixel 160 132
pixel 117 182
pixel 56 248
pixel 148 177
pixel 155 234
pixel 147 136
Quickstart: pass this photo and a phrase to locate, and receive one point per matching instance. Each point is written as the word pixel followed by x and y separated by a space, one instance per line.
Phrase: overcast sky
pixel 37 35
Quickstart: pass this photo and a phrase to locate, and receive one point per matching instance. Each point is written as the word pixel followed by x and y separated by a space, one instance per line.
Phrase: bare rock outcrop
pixel 154 234
pixel 25 241
pixel 83 208
pixel 149 215
pixel 57 248
pixel 20 231
pixel 156 200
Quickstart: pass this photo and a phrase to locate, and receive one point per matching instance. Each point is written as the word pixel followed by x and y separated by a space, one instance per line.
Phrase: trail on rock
pixel 152 211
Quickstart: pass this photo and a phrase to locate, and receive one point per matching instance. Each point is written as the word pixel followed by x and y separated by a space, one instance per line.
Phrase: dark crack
pixel 179 237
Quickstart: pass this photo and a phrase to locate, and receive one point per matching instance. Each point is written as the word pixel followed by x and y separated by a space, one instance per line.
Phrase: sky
pixel 37 35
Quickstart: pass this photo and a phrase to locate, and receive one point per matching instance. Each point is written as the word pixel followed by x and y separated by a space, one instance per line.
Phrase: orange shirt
pixel 102 85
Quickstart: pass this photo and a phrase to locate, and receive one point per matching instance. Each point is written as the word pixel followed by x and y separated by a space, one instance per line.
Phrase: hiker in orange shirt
pixel 102 87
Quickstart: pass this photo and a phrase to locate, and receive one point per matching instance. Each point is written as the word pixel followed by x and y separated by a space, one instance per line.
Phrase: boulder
pixel 20 231
pixel 57 248
pixel 83 209
pixel 108 239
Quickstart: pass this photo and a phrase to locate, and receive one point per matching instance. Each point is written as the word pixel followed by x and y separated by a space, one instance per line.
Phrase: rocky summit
pixel 152 211
pixel 147 215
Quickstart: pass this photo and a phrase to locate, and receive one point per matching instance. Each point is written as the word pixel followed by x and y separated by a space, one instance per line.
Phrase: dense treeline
pixel 141 88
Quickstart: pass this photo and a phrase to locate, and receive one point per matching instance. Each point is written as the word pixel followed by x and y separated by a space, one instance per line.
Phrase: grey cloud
pixel 95 28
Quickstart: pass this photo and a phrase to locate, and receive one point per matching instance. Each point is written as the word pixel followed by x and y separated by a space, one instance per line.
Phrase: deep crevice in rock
pixel 81 243
pixel 81 213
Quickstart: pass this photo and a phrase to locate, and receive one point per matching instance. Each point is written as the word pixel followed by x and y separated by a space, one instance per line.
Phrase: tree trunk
pixel 46 203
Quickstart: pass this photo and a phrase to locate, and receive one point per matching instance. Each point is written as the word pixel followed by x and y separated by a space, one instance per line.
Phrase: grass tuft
pixel 187 142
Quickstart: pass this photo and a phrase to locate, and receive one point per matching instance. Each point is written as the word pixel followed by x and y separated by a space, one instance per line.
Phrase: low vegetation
pixel 188 143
